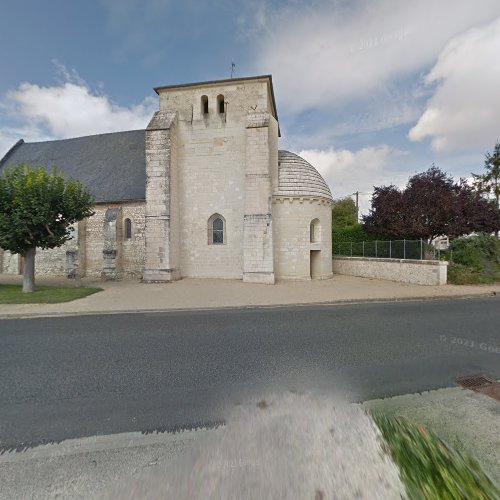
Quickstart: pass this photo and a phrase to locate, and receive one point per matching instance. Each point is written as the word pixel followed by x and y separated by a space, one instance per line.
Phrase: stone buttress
pixel 257 223
pixel 162 225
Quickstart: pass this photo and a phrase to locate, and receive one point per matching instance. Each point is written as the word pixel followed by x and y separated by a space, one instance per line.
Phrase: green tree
pixel 344 220
pixel 37 209
pixel 489 183
pixel 344 213
pixel 345 225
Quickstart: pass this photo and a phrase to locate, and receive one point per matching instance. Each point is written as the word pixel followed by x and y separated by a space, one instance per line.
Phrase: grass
pixel 429 468
pixel 12 294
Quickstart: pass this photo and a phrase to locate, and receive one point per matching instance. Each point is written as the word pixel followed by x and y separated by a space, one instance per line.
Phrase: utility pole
pixel 357 205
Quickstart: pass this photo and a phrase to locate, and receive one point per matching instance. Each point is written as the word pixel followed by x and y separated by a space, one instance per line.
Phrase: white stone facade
pixel 211 152
pixel 300 255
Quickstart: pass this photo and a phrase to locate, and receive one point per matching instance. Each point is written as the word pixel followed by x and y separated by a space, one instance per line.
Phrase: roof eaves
pixel 113 202
pixel 211 82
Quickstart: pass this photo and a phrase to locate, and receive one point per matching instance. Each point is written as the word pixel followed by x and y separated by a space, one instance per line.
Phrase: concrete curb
pixel 237 308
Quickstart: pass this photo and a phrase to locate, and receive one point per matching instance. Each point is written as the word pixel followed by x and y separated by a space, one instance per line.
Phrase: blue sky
pixel 369 91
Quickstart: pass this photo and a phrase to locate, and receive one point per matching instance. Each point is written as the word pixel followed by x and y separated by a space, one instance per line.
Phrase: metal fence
pixel 394 249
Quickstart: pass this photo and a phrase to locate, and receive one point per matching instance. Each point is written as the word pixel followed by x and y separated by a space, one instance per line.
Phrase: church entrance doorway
pixel 315 264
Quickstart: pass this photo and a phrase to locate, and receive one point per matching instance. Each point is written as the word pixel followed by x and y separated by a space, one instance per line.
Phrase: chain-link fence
pixel 394 249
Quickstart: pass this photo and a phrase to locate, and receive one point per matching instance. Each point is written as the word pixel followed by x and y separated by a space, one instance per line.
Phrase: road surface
pixel 73 377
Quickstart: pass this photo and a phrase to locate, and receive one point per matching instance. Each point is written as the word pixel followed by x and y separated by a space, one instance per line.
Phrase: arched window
pixel 220 104
pixel 127 234
pixel 315 231
pixel 204 105
pixel 216 230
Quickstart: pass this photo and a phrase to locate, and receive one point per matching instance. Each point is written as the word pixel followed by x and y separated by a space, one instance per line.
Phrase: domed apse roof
pixel 297 177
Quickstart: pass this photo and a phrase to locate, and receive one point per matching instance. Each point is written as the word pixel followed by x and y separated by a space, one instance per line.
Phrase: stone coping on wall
pixel 400 261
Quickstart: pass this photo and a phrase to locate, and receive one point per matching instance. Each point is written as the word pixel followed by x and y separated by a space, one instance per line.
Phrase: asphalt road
pixel 72 377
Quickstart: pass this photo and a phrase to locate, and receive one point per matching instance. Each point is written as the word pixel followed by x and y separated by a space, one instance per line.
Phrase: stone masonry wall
pixel 420 272
pixel 53 261
pixel 88 240
pixel 48 262
pixel 258 260
pixel 162 257
pixel 9 262
pixel 211 181
pixel 131 253
pixel 134 249
pixel 211 150
pixel 292 245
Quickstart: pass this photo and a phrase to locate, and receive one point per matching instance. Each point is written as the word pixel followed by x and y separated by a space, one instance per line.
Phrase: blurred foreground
pixel 295 446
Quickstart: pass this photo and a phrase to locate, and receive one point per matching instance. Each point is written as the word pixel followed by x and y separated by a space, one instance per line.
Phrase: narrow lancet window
pixel 216 230
pixel 128 229
pixel 221 104
pixel 314 231
pixel 204 105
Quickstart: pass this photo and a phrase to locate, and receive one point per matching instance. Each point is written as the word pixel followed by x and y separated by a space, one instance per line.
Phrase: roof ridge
pixel 87 136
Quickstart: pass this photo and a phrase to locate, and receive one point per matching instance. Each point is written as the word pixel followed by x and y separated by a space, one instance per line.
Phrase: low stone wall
pixel 419 272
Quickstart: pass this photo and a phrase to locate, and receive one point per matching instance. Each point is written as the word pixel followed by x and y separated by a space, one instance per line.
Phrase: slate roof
pixel 297 177
pixel 112 166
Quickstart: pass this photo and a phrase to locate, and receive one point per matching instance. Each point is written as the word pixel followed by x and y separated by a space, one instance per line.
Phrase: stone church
pixel 203 192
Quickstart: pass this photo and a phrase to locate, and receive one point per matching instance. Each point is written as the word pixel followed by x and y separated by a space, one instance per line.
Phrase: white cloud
pixel 70 109
pixel 330 53
pixel 253 19
pixel 348 171
pixel 464 111
pixel 10 135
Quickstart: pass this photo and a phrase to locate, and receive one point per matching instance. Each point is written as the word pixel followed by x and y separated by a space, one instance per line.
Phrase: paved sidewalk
pixel 132 296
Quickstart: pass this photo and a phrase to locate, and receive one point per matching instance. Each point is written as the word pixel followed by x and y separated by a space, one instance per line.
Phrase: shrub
pixel 430 469
pixel 354 232
pixel 476 251
pixel 458 274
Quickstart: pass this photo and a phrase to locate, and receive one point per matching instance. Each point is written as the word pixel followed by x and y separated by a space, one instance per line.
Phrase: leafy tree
pixel 489 183
pixel 431 205
pixel 37 209
pixel 388 213
pixel 344 213
pixel 472 213
pixel 429 196
pixel 345 225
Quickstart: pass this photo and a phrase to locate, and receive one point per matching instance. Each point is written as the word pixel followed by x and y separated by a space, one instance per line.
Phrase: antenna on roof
pixel 233 65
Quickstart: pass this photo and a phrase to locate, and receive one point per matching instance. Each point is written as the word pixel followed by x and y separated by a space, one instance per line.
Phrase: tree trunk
pixel 29 271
